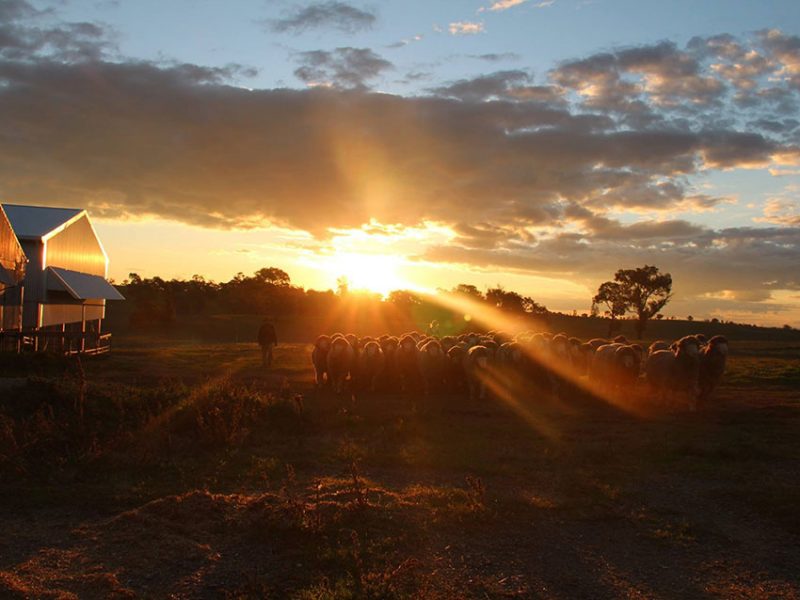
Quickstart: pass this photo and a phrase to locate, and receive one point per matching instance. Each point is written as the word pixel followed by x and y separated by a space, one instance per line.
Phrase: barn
pixel 12 273
pixel 65 287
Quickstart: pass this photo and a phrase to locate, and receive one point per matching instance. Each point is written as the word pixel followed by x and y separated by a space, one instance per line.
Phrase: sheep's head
pixel 719 344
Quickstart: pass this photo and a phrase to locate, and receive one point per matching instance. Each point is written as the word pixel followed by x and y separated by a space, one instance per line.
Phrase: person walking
pixel 267 339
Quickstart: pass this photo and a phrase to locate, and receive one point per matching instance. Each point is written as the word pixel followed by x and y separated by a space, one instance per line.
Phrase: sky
pixel 539 145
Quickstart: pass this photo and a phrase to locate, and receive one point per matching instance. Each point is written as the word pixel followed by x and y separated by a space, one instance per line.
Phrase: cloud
pixel 465 28
pixel 781 211
pixel 405 42
pixel 504 4
pixel 342 67
pixel 67 41
pixel 520 175
pixel 324 15
pixel 496 56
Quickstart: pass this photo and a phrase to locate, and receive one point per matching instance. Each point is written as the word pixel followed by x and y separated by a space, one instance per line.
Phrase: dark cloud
pixel 20 39
pixel 342 67
pixel 524 178
pixel 509 85
pixel 496 56
pixel 728 269
pixel 136 138
pixel 14 10
pixel 325 15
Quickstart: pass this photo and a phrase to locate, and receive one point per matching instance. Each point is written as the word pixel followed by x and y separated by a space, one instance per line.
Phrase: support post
pixel 83 327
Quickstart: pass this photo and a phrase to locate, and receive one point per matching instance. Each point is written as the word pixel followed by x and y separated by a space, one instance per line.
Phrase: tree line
pixel 269 291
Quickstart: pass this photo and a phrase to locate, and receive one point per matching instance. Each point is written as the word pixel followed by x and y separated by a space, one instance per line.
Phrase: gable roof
pixel 81 286
pixel 39 222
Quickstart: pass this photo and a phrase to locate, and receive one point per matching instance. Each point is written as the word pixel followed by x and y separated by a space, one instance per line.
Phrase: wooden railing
pixel 58 342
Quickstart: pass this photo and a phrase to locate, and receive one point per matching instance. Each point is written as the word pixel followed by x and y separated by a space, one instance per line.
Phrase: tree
pixel 273 276
pixel 470 291
pixel 342 286
pixel 612 295
pixel 506 301
pixel 403 299
pixel 532 307
pixel 646 291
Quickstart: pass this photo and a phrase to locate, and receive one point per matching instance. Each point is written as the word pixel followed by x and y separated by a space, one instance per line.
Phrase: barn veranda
pixel 178 468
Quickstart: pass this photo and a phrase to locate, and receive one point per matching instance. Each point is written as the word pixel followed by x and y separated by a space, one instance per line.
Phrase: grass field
pixel 185 470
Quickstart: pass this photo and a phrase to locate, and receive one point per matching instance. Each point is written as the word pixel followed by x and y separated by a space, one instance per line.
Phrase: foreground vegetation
pixel 185 470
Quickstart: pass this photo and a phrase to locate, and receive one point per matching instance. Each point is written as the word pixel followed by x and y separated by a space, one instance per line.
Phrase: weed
pixel 476 492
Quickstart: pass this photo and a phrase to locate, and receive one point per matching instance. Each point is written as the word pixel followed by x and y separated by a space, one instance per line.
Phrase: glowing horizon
pixel 538 146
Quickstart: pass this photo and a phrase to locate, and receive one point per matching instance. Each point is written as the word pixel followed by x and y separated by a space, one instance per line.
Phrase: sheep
pixel 454 368
pixel 627 366
pixel 712 366
pixel 390 372
pixel 656 346
pixel 371 364
pixel 581 359
pixel 602 363
pixel 687 368
pixel 476 367
pixel 559 348
pixel 408 363
pixel 352 339
pixel 432 364
pixel 319 358
pixel 492 346
pixel 473 339
pixel 595 343
pixel 512 355
pixel 660 371
pixel 340 363
pixel 577 358
pixel 447 342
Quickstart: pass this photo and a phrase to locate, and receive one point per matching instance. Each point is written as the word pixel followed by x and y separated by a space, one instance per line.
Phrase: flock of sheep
pixel 689 368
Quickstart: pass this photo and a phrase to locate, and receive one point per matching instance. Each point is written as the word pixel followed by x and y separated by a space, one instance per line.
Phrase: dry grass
pixel 187 471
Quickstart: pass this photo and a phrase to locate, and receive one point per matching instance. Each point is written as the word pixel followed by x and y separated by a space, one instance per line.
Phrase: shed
pixel 65 286
pixel 12 273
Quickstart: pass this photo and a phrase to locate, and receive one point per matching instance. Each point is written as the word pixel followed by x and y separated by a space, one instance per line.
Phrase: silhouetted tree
pixel 403 299
pixel 645 291
pixel 505 300
pixel 611 295
pixel 273 276
pixel 342 285
pixel 468 290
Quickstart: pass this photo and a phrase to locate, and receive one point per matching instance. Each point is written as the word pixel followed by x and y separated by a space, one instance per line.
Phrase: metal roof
pixel 35 222
pixel 81 286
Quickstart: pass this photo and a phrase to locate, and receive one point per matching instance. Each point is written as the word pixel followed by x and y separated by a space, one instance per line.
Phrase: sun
pixel 377 273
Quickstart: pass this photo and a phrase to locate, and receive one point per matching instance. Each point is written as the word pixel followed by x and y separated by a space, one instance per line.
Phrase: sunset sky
pixel 538 145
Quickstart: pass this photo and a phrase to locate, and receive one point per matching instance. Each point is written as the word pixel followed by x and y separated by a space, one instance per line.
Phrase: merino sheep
pixel 319 358
pixel 660 371
pixel 595 343
pixel 454 368
pixel 371 364
pixel 656 346
pixel 340 363
pixel 391 376
pixel 712 366
pixel 432 365
pixel 476 367
pixel 627 366
pixel 687 368
pixel 408 363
